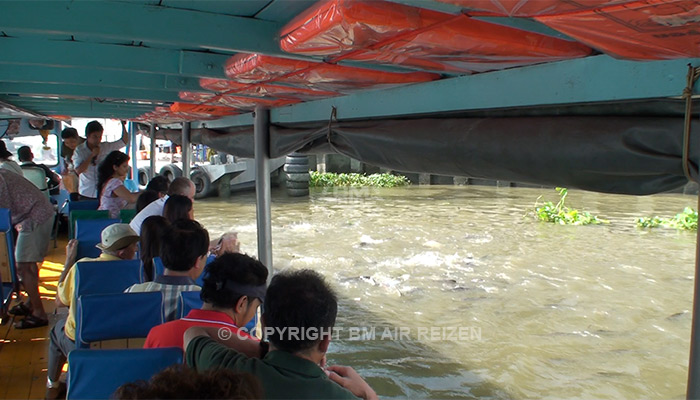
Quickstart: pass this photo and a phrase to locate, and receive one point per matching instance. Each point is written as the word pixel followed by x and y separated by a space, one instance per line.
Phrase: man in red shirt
pixel 234 287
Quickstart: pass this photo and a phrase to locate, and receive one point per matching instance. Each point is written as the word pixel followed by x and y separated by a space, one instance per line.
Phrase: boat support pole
pixel 693 389
pixel 152 134
pixel 131 128
pixel 262 187
pixel 186 149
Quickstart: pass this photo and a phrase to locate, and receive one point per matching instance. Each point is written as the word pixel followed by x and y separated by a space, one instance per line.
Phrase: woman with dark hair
pixel 152 231
pixel 111 173
pixel 178 207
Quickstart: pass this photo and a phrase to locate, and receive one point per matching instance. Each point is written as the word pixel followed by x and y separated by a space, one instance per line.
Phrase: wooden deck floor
pixel 23 353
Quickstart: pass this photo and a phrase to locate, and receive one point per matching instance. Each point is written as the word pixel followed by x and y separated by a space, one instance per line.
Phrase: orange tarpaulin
pixel 235 102
pixel 641 30
pixel 529 8
pixel 318 76
pixel 264 90
pixel 388 33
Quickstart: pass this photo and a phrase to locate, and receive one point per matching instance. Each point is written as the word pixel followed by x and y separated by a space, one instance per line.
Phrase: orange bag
pixel 370 31
pixel 253 68
pixel 641 30
pixel 209 110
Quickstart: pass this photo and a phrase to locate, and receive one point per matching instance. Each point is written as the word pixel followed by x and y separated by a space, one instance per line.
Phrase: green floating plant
pixel 561 214
pixel 328 179
pixel 686 220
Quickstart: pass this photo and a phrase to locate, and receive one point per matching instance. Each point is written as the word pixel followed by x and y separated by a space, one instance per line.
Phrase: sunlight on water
pixel 545 311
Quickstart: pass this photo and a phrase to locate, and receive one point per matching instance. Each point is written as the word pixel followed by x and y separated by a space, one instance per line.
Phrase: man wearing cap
pixel 119 242
pixel 234 287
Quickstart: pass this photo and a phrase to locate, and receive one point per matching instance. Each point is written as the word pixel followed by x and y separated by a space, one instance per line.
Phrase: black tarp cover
pixel 628 155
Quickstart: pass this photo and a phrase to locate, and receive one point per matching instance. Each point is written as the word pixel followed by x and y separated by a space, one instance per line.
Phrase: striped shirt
pixel 171 286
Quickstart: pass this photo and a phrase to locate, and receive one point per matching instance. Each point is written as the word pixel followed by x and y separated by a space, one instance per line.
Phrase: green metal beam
pixel 147 23
pixel 72 54
pixel 100 92
pixel 95 77
pixel 585 80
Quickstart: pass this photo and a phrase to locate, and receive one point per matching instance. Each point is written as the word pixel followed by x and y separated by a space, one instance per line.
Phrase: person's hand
pixel 96 151
pixel 228 244
pixel 351 380
pixel 71 251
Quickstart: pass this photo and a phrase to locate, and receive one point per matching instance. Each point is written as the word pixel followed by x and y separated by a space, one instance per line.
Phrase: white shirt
pixel 88 179
pixel 155 208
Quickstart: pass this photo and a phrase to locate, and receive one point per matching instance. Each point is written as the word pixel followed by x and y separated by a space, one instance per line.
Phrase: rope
pixel 334 115
pixel 693 75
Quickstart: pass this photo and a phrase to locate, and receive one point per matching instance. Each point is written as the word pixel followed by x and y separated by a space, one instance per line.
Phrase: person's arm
pixel 352 381
pixel 82 165
pixel 54 180
pixel 225 336
pixel 71 256
pixel 125 134
pixel 123 193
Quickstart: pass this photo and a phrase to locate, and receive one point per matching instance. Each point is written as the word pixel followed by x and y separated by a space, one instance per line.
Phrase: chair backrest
pixel 116 316
pixel 37 176
pixel 8 273
pixel 96 374
pixel 104 277
pixel 127 214
pixel 187 301
pixel 83 214
pixel 89 233
pixel 158 266
pixel 83 205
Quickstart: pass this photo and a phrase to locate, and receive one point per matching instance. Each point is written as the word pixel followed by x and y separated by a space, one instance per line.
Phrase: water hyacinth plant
pixel 328 179
pixel 686 220
pixel 561 214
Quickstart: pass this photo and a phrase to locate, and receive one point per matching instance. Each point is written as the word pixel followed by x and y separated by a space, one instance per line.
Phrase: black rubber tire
pixel 202 183
pixel 143 177
pixel 297 185
pixel 296 168
pixel 171 171
pixel 297 160
pixel 297 192
pixel 300 177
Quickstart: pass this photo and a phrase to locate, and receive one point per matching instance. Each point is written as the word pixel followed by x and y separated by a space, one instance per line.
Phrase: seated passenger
pixel 180 382
pixel 234 287
pixel 178 207
pixel 145 198
pixel 118 243
pixel 294 366
pixel 152 232
pixel 111 173
pixel 26 158
pixel 184 250
pixel 181 186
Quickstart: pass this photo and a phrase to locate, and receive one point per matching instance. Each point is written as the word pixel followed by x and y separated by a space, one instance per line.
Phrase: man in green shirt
pixel 298 316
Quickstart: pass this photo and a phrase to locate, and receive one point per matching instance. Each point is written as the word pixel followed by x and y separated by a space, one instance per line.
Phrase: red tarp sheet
pixel 529 8
pixel 237 102
pixel 641 30
pixel 390 33
pixel 318 76
pixel 264 90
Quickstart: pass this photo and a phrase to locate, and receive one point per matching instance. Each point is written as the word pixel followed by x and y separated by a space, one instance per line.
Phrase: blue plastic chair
pixel 89 233
pixel 116 316
pixel 8 284
pixel 160 269
pixel 188 301
pixel 105 277
pixel 96 374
